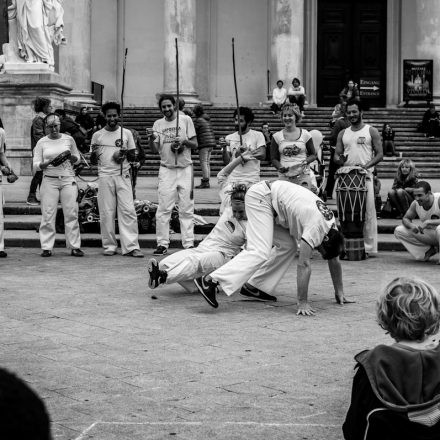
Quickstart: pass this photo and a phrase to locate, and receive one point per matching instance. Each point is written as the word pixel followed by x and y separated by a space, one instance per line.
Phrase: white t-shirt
pixel 165 133
pixel 48 149
pixel 107 144
pixel 300 211
pixel 292 153
pixel 279 96
pixel 228 235
pixel 250 171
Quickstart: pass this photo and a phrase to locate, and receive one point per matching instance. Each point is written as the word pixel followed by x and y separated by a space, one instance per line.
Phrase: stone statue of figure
pixel 38 24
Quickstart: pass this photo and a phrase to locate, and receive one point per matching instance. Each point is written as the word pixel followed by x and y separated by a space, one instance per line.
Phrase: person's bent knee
pixel 400 231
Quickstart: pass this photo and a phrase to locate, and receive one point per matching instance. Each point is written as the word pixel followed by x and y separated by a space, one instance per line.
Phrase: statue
pixel 33 26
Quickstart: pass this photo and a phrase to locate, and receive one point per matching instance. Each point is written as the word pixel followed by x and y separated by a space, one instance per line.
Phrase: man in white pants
pixel 112 148
pixel 173 139
pixel 421 240
pixel 361 145
pixel 299 215
pixel 252 141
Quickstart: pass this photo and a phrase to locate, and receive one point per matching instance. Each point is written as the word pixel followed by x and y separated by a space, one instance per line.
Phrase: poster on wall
pixel 417 80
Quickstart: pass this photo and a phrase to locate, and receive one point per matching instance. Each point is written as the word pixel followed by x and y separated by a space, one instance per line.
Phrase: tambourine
pixel 61 158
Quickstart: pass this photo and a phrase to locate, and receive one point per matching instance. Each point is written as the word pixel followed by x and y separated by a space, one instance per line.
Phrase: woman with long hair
pixel 401 193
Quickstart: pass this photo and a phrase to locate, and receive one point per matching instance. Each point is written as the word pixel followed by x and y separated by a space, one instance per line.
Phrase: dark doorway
pixel 351 45
pixel 3 23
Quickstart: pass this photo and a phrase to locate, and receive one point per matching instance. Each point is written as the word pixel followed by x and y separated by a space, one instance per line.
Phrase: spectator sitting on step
pixel 297 94
pixel 351 91
pixel 23 414
pixel 395 389
pixel 430 122
pixel 339 110
pixel 279 97
pixel 388 140
pixel 421 239
pixel 401 194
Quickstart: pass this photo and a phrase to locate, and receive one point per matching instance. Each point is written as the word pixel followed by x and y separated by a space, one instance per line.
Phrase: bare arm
pixel 311 152
pixel 339 151
pixel 275 154
pixel 409 216
pixel 377 146
pixel 304 270
pixel 191 143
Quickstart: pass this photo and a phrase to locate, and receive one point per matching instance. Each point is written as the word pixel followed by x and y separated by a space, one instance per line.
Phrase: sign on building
pixel 370 88
pixel 417 80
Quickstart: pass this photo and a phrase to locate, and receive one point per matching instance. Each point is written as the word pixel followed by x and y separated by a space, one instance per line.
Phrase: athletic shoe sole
pixel 153 270
pixel 199 282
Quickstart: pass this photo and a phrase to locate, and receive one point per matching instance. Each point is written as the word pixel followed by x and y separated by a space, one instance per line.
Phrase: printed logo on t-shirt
pixel 291 150
pixel 118 143
pixel 170 134
pixel 230 226
pixel 324 210
pixel 361 140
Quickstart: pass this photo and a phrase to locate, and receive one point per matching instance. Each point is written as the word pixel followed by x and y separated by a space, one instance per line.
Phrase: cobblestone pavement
pixel 112 362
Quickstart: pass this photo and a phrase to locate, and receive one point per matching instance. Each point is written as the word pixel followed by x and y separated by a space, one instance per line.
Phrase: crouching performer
pixel 300 216
pixel 223 243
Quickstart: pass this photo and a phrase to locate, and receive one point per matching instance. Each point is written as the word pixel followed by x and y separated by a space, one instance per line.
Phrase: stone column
pixel 75 57
pixel 427 23
pixel 180 23
pixel 287 41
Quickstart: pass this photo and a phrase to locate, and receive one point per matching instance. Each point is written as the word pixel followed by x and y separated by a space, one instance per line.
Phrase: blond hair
pixel 409 309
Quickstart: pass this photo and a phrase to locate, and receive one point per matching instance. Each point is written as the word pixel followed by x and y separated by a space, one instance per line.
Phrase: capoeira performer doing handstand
pixel 224 242
pixel 280 213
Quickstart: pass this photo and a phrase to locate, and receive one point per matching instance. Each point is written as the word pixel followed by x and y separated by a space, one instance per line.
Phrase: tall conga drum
pixel 351 197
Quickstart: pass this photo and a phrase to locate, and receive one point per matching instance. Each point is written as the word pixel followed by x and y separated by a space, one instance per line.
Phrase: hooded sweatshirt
pixel 401 385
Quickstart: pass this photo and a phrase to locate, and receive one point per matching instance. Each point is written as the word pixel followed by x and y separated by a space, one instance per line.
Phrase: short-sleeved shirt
pixel 292 153
pixel 106 143
pixel 228 235
pixel 165 133
pixel 48 149
pixel 300 211
pixel 250 171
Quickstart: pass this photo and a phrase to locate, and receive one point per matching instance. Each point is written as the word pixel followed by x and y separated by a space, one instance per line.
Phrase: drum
pixel 61 158
pixel 351 197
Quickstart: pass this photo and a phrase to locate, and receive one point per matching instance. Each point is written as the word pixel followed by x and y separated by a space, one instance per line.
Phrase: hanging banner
pixel 417 80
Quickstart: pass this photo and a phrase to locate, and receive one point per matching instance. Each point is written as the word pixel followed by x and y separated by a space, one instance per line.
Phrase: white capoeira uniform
pixel 248 173
pixel 418 244
pixel 175 180
pixel 358 147
pixel 2 199
pixel 279 214
pixel 115 192
pixel 223 243
pixel 59 184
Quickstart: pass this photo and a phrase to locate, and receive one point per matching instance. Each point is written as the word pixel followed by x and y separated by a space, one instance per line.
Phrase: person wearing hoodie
pixel 206 141
pixel 396 388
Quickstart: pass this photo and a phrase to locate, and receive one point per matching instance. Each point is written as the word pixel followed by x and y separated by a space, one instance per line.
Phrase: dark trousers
pixel 332 168
pixel 298 100
pixel 36 182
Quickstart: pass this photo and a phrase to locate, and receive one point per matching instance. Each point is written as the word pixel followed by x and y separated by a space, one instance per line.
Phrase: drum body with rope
pixel 351 197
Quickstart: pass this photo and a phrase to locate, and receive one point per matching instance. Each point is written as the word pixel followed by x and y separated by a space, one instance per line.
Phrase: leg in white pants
pixel 107 212
pixel 191 263
pixel 282 255
pixel 52 190
pixel 417 244
pixel 127 218
pixel 2 221
pixel 370 225
pixel 167 193
pixel 259 234
pixel 186 205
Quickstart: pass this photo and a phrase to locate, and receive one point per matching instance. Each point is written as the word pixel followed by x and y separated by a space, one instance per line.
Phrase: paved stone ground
pixel 111 362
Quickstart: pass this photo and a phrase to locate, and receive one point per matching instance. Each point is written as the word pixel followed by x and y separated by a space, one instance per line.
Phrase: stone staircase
pixel 410 143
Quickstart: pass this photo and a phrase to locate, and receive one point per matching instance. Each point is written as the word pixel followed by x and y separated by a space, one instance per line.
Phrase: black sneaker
pixel 3 254
pixel 46 253
pixel 77 253
pixel 208 289
pixel 160 250
pixel 157 276
pixel 32 200
pixel 249 291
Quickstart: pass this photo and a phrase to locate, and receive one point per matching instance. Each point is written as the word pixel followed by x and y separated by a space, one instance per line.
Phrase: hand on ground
pixel 305 309
pixel 341 299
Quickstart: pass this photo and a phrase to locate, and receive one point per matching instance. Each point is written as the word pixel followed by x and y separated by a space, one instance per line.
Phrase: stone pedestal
pixel 427 23
pixel 75 57
pixel 17 93
pixel 180 23
pixel 287 41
